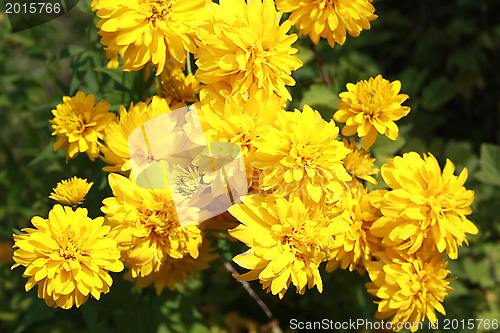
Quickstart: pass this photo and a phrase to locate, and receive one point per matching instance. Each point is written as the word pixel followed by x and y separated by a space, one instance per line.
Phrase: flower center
pixel 72 122
pixel 190 182
pixel 160 219
pixel 70 245
pixel 159 10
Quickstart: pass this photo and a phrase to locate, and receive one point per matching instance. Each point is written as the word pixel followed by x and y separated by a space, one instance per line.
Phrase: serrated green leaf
pixel 489 163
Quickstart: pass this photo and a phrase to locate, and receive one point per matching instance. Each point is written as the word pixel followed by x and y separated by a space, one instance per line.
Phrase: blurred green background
pixel 447 56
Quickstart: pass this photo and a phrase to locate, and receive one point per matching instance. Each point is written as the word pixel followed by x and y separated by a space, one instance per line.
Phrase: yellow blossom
pixel 178 88
pixel 114 59
pixel 329 19
pixel 359 163
pixel 116 148
pixel 371 106
pixel 356 246
pixel 426 208
pixel 71 191
pixel 149 30
pixel 79 125
pixel 410 288
pixel 243 45
pixel 288 241
pixel 241 122
pixel 145 225
pixel 301 155
pixel 68 256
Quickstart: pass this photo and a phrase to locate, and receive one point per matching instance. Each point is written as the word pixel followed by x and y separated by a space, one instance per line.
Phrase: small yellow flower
pixel 426 208
pixel 356 246
pixel 301 155
pixel 68 256
pixel 410 288
pixel 116 146
pixel 79 125
pixel 145 225
pixel 237 121
pixel 329 19
pixel 114 59
pixel 149 30
pixel 359 163
pixel 178 88
pixel 288 241
pixel 371 106
pixel 243 45
pixel 71 191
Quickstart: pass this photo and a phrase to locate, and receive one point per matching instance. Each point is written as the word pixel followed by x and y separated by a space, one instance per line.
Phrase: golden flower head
pixel 426 208
pixel 178 88
pixel 371 106
pixel 145 225
pixel 410 288
pixel 356 246
pixel 243 45
pixel 71 191
pixel 149 30
pixel 288 240
pixel 359 163
pixel 176 271
pixel 330 19
pixel 68 256
pixel 238 121
pixel 113 59
pixel 301 155
pixel 79 124
pixel 116 148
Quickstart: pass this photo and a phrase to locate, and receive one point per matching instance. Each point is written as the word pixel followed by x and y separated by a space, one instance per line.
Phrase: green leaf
pixel 479 271
pixel 68 51
pixel 46 153
pixel 438 93
pixel 38 312
pixel 489 164
pixel 320 95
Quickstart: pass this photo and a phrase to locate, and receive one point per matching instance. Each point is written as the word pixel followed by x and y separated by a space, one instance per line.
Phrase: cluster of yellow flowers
pixel 308 199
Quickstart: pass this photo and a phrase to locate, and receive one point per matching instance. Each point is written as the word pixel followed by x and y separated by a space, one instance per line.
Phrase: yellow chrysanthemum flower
pixel 301 155
pixel 149 30
pixel 371 106
pixel 410 289
pixel 68 256
pixel 114 59
pixel 176 271
pixel 116 148
pixel 79 124
pixel 241 122
pixel 71 191
pixel 329 19
pixel 145 225
pixel 243 45
pixel 356 246
pixel 426 208
pixel 178 88
pixel 359 163
pixel 288 240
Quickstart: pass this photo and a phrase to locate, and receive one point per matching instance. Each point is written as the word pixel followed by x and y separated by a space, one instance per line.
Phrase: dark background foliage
pixel 445 53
